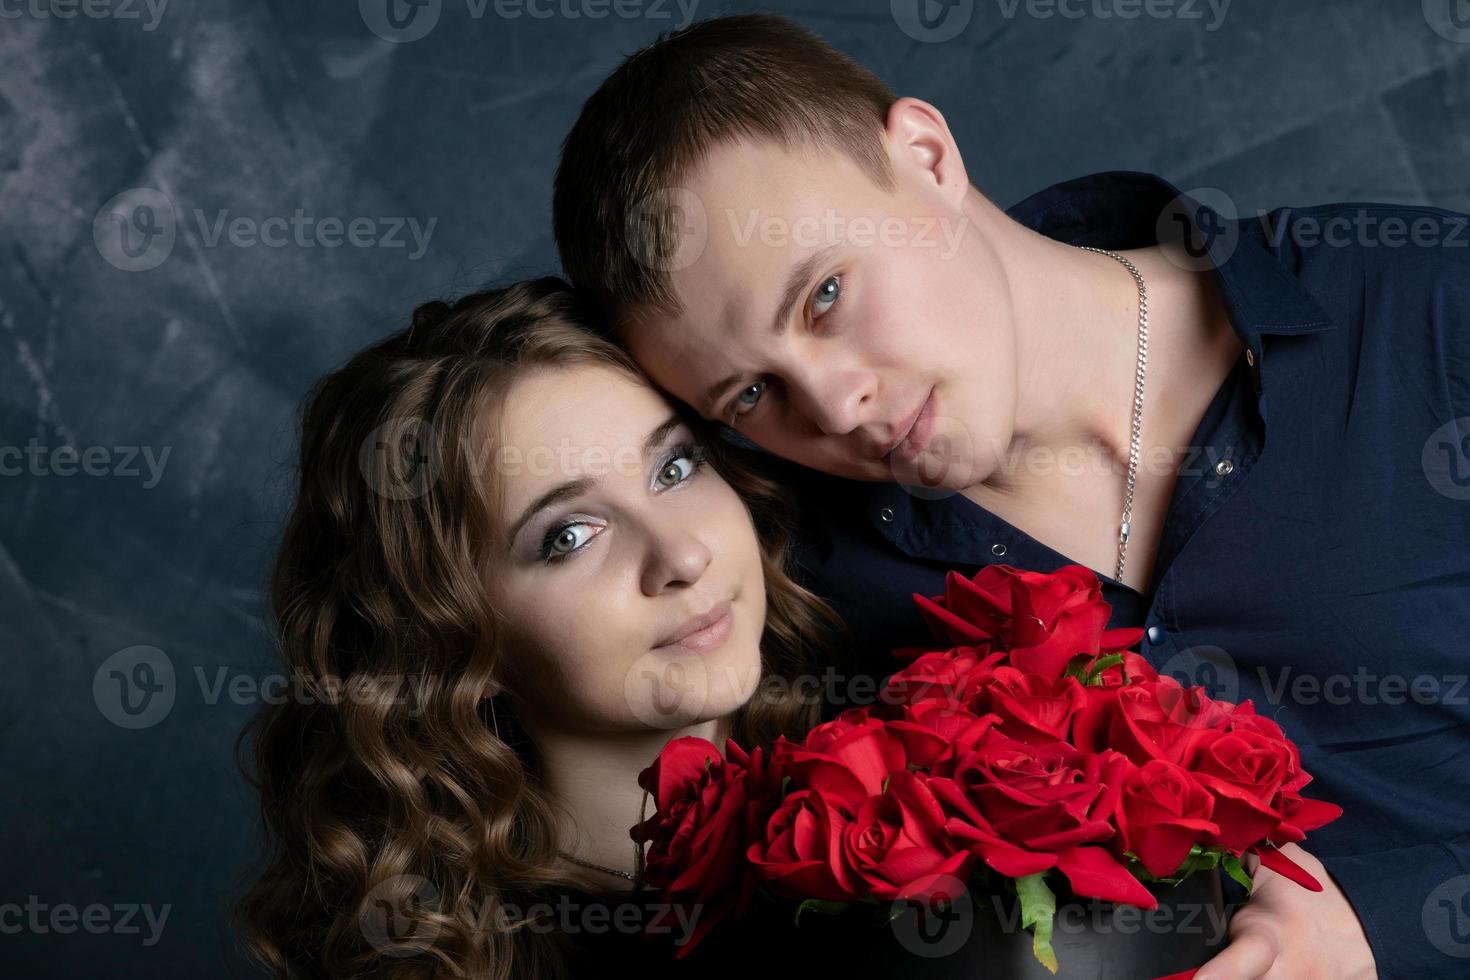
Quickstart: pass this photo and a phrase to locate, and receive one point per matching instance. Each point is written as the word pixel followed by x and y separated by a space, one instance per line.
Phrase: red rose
pixel 1041 619
pixel 1299 814
pixel 709 809
pixel 800 854
pixel 1155 719
pixel 953 730
pixel 898 844
pixel 954 676
pixel 1132 670
pixel 1025 808
pixel 1243 718
pixel 1245 772
pixel 848 759
pixel 1162 813
pixel 1033 708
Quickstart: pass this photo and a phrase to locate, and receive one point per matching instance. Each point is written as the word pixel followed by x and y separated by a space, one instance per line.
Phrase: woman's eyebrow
pixel 575 488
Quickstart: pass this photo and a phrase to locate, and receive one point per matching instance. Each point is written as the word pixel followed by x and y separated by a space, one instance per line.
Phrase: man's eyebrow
pixel 796 282
pixel 575 488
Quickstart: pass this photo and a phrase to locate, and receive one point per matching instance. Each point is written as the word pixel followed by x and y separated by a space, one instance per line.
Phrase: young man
pixel 796 253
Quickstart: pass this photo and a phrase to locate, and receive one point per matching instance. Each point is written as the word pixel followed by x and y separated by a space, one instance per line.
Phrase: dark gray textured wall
pixel 174 372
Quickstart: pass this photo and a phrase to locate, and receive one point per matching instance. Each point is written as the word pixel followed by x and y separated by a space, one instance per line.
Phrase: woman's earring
pixel 494 722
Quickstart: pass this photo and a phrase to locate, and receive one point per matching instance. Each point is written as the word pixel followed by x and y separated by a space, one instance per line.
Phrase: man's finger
pixel 1248 957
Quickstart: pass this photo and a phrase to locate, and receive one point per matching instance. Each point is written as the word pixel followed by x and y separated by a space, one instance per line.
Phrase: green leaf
pixel 1077 667
pixel 1199 859
pixel 825 906
pixel 884 787
pixel 1236 870
pixel 1094 673
pixel 1038 913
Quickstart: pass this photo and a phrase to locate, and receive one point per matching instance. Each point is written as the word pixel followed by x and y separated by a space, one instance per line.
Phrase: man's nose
pixel 836 399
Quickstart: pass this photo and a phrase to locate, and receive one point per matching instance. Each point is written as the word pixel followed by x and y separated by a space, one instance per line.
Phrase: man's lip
pixel 693 625
pixel 909 425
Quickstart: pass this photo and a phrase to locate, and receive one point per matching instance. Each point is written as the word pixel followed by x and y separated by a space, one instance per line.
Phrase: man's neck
pixel 1076 320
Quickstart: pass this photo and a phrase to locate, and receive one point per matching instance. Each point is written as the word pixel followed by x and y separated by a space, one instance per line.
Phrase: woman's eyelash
pixel 693 451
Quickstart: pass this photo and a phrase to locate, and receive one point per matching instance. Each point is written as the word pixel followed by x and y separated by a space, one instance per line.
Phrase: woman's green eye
pixel 565 541
pixel 675 472
pixel 826 295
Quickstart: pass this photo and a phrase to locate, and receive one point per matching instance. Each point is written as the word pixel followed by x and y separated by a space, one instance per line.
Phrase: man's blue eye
pixel 826 295
pixel 758 387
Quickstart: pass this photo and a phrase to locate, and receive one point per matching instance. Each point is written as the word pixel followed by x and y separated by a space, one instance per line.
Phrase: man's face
pixel 841 311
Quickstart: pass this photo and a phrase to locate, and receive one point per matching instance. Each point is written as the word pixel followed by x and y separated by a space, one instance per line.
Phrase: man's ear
pixel 920 146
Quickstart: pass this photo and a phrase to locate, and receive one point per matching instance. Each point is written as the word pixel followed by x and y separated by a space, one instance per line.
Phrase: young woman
pixel 512 573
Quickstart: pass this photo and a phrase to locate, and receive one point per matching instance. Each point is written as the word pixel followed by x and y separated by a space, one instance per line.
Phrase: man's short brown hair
pixel 754 76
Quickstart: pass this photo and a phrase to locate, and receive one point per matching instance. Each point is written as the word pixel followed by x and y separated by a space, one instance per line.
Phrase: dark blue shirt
pixel 1315 556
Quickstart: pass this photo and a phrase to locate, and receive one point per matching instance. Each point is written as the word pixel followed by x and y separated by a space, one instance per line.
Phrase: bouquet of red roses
pixel 1037 745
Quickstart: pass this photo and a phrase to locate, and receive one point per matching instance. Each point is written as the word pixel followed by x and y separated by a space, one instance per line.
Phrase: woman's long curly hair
pixel 398 823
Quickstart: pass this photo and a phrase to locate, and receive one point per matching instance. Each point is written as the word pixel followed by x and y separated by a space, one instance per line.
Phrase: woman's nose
pixel 676 557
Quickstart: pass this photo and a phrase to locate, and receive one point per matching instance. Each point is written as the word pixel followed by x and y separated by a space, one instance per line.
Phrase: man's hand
pixel 1285 932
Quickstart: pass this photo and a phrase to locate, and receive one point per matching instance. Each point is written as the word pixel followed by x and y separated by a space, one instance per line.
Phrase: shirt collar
pixel 1123 209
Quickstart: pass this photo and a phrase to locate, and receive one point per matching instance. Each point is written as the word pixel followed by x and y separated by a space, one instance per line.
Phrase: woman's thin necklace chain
pixel 1125 527
pixel 495 724
pixel 597 867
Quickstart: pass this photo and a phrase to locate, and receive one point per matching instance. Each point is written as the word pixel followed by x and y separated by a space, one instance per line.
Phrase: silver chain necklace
pixel 1126 526
pixel 495 724
pixel 598 867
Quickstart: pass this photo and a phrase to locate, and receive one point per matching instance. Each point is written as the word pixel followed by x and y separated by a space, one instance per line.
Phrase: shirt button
pixel 886 513
pixel 1156 635
pixel 997 550
pixel 1224 467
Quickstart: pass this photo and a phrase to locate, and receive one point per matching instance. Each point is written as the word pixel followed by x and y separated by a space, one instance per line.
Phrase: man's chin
pixel 929 475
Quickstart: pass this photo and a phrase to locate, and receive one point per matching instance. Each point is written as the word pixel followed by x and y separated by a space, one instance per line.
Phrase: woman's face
pixel 615 535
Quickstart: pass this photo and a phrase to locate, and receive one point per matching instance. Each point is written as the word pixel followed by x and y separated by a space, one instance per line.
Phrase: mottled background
pixel 173 367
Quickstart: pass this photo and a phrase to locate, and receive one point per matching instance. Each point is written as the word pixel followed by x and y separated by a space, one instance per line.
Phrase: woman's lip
pixel 712 636
pixel 912 444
